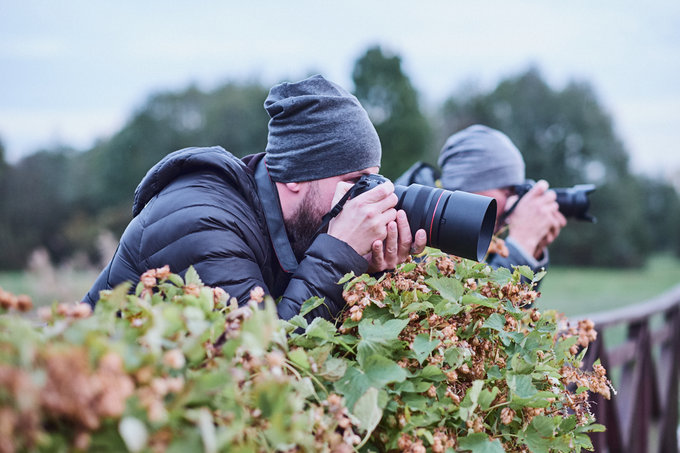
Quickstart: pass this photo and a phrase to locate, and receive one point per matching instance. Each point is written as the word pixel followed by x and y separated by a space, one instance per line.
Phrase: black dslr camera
pixel 573 201
pixel 458 223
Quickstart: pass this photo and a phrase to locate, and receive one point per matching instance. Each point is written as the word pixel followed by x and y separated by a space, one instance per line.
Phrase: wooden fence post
pixel 643 414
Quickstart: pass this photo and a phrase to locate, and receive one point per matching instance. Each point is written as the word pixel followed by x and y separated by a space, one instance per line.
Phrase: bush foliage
pixel 441 355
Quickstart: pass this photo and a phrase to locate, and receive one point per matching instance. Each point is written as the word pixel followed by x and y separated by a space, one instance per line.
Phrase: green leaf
pixel 596 428
pixel 525 271
pixel 206 425
pixel 521 385
pixel 298 321
pixel 191 277
pixel 352 385
pixel 347 277
pixel 496 322
pixel 176 280
pixel 311 304
pixel 480 443
pixel 321 329
pixel 583 441
pixel 447 309
pixel 134 433
pixel 422 347
pixel 299 357
pixel 432 373
pixel 367 410
pixel 407 267
pixel 486 398
pixel 538 277
pixel 449 288
pixel 494 372
pixel 544 425
pixel 417 306
pixel 563 345
pixel 515 312
pixel 455 356
pixel 333 369
pixel 568 424
pixel 379 338
pixel 470 402
pixel 539 435
pixel 382 371
pixel 501 276
pixel 478 299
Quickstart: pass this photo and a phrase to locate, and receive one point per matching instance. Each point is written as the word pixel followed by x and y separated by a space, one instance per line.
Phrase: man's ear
pixel 294 187
pixel 291 194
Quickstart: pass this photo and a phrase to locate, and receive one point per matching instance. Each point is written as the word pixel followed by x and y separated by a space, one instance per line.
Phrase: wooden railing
pixel 643 414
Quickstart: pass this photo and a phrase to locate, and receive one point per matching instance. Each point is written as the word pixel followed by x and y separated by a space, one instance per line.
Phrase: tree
pixel 231 116
pixel 392 104
pixel 39 198
pixel 61 199
pixel 567 137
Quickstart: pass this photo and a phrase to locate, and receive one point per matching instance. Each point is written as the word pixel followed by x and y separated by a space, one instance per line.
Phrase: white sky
pixel 74 70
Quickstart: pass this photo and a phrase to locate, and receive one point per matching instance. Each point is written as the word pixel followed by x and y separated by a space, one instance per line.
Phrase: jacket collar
pixel 269 197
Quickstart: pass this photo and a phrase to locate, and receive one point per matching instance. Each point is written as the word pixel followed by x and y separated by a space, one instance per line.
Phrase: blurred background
pixel 92 94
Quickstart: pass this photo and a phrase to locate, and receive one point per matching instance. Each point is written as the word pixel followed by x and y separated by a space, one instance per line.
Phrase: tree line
pixel 62 198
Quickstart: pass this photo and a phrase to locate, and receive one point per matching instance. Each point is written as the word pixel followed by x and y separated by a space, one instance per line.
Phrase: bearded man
pixel 257 221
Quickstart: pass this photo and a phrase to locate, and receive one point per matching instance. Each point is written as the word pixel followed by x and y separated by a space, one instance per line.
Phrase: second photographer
pixel 484 161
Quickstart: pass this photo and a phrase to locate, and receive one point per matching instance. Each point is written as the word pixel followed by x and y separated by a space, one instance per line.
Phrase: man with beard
pixel 259 221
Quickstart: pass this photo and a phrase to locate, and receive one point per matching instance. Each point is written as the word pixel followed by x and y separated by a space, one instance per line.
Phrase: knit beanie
pixel 317 130
pixel 480 158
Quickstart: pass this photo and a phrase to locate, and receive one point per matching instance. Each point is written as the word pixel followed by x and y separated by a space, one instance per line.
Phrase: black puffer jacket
pixel 200 207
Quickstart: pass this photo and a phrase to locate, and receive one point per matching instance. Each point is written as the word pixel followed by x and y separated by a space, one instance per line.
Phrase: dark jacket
pixel 518 257
pixel 201 207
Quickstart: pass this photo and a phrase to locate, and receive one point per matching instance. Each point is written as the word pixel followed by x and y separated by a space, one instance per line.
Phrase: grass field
pixel 578 291
pixel 49 285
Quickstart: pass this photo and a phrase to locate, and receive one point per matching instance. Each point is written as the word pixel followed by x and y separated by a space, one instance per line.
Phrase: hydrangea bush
pixel 440 355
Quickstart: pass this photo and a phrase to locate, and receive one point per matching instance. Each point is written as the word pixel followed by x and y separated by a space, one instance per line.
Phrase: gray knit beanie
pixel 480 158
pixel 317 130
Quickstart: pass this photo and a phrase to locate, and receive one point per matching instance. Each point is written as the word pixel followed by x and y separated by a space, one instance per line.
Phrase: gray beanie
pixel 317 130
pixel 480 158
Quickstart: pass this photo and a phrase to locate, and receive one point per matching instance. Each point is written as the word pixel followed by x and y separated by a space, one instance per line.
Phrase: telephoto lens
pixel 456 222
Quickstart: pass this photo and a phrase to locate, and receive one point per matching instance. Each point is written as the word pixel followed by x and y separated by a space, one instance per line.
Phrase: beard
pixel 303 225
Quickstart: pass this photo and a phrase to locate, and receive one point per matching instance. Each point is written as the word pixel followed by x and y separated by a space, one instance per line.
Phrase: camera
pixel 458 223
pixel 573 201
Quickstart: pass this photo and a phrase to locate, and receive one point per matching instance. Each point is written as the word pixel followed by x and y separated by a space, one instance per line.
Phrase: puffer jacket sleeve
pixel 325 263
pixel 202 222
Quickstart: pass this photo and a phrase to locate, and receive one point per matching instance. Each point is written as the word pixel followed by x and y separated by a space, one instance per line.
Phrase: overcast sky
pixel 74 70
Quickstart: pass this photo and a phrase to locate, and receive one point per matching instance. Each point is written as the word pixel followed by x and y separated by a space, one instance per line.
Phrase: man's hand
pixel 536 221
pixel 371 226
pixel 397 246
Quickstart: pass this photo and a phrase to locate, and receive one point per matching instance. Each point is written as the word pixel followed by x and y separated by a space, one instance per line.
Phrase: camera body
pixel 456 222
pixel 573 201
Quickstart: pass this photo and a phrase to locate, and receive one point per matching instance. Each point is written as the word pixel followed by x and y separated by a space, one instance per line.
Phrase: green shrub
pixel 440 355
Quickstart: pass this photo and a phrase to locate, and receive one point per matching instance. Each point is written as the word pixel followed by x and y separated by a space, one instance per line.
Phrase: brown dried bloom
pixel 24 302
pixel 507 415
pixel 192 289
pixel 148 278
pixel 174 358
pixel 162 273
pixel 498 247
pixel 257 294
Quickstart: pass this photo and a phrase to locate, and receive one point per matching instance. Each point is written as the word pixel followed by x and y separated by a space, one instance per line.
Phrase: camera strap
pixel 269 198
pixel 508 211
pixel 325 220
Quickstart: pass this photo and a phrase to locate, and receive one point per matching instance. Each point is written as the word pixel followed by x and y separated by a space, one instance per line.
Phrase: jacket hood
pixel 188 160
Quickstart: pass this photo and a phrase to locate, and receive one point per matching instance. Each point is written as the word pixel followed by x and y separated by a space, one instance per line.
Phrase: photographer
pixel 483 160
pixel 253 222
